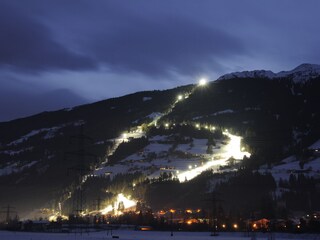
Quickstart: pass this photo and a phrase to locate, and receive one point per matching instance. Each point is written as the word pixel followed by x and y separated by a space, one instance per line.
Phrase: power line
pixel 80 169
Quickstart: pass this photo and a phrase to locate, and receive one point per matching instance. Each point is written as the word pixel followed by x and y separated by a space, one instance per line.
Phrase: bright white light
pixel 232 149
pixel 127 203
pixel 202 82
pixel 107 210
pixel 55 217
pixel 197 125
pixel 180 97
pixel 166 125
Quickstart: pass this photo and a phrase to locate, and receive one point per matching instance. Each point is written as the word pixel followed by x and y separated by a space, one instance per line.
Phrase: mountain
pixel 167 148
pixel 299 74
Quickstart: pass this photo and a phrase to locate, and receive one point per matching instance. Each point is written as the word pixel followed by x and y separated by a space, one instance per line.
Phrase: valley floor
pixel 151 235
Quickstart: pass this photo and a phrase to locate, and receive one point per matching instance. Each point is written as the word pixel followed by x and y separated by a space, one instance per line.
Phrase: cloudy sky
pixel 58 53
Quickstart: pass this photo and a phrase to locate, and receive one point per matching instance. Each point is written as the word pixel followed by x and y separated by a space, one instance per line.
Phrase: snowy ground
pixel 139 235
pixel 290 166
pixel 183 167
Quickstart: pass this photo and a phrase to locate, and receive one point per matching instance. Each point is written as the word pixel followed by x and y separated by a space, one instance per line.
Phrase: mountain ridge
pixel 300 73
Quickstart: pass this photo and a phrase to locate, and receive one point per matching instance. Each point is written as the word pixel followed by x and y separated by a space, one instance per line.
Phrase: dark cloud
pixel 29 46
pixel 169 44
pixel 116 36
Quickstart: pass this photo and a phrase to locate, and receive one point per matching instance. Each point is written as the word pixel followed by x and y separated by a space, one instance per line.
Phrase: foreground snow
pixel 139 235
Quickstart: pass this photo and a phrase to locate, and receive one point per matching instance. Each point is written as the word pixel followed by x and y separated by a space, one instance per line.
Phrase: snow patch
pixel 15 168
pixel 315 146
pixel 13 152
pixel 222 112
pixel 155 115
pixel 146 99
pixel 50 133
pixel 249 74
pixel 27 136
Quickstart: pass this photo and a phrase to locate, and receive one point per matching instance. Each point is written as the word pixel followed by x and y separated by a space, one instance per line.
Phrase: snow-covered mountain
pixel 299 74
pixel 160 133
pixel 249 74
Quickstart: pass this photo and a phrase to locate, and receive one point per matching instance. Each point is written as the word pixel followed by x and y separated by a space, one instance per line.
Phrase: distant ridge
pixel 301 73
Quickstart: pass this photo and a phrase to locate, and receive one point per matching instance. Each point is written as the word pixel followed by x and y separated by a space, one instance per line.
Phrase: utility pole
pixel 172 211
pixel 98 203
pixel 214 218
pixel 80 170
pixel 8 212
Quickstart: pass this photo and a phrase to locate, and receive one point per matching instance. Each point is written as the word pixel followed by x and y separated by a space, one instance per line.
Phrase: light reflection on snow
pixel 232 149
pixel 127 203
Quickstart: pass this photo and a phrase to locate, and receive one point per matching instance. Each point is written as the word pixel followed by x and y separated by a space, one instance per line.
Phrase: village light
pixel 166 125
pixel 162 212
pixel 180 97
pixel 235 226
pixel 190 166
pixel 223 226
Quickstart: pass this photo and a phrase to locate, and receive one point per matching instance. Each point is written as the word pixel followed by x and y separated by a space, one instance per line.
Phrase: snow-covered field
pixel 290 166
pixel 140 235
pixel 182 167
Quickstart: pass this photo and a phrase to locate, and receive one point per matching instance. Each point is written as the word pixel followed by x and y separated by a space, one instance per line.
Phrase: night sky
pixel 58 53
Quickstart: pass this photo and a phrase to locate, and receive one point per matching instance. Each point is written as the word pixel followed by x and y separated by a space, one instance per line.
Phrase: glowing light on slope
pixel 54 218
pixel 193 172
pixel 127 203
pixel 232 149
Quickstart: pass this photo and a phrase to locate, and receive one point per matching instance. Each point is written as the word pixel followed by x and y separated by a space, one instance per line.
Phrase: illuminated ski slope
pixel 232 149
